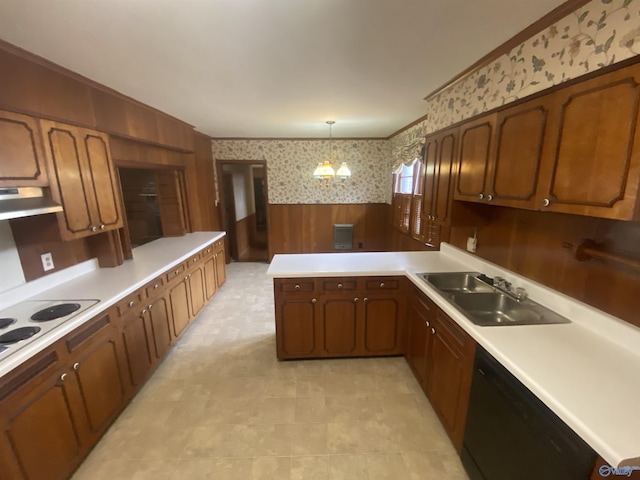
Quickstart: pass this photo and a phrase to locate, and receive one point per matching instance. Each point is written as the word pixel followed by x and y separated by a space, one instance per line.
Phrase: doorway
pixel 244 199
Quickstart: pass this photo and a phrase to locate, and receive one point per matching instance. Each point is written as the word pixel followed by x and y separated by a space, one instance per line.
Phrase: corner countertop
pixel 587 372
pixel 108 285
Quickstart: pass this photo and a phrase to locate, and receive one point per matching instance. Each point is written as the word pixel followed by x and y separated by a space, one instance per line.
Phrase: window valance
pixel 406 154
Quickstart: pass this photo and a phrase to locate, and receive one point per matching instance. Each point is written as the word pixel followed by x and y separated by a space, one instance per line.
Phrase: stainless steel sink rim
pixel 487 306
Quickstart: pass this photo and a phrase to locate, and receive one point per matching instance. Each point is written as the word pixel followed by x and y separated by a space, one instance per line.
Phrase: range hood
pixel 25 202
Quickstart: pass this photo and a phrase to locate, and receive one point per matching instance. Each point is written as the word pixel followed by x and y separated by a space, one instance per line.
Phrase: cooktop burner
pixel 18 334
pixel 5 322
pixel 56 311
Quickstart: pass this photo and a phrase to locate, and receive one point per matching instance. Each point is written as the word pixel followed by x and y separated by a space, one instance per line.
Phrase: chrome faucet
pixel 504 286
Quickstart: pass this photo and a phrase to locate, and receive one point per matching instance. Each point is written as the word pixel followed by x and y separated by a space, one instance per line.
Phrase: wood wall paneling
pixel 31 88
pixel 205 215
pixel 40 234
pixel 308 228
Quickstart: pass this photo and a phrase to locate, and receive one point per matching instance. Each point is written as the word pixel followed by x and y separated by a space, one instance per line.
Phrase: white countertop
pixel 587 372
pixel 108 285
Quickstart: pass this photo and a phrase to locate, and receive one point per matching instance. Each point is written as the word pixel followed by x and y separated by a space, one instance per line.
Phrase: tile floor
pixel 222 407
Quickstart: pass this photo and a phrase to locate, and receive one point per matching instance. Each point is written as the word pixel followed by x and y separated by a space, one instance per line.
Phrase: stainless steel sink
pixel 486 305
pixel 457 282
pixel 499 309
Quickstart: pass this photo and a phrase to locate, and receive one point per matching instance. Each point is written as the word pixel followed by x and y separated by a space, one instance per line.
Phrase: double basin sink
pixel 486 305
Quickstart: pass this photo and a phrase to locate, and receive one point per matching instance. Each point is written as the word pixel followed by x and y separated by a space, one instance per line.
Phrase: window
pixel 407 198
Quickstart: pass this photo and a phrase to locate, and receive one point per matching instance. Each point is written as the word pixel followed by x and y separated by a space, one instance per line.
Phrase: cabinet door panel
pixel 101 384
pixel 196 290
pixel 221 273
pixel 21 153
pixel 598 144
pixel 45 433
pixel 68 186
pixel 210 277
pixel 382 326
pixel 475 147
pixel 103 181
pixel 520 135
pixel 419 337
pixel 136 345
pixel 160 321
pixel 442 192
pixel 339 326
pixel 179 297
pixel 296 327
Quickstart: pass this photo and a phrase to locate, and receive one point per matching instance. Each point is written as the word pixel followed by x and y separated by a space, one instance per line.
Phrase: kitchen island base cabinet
pixel 339 317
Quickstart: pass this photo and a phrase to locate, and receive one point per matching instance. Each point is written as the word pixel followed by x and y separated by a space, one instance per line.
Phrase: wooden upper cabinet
pixel 476 139
pixel 21 157
pixel 82 179
pixel 514 170
pixel 594 167
pixel 430 172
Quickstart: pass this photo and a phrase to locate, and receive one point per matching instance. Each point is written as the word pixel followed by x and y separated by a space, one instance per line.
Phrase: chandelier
pixel 324 172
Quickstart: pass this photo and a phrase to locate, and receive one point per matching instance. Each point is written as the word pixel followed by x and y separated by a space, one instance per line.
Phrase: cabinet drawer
pixel 383 284
pixel 339 284
pixel 154 287
pixel 207 251
pixel 193 260
pixel 176 271
pixel 292 286
pixel 132 301
pixel 87 331
pixel 218 245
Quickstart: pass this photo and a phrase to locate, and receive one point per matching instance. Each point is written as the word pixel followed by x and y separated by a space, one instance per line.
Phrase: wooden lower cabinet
pixel 179 300
pixel 210 284
pixel 160 323
pixel 196 290
pixel 420 314
pixel 221 273
pixel 339 317
pixel 135 337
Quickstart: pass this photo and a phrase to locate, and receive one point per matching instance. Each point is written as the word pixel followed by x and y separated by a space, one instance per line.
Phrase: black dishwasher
pixel 510 434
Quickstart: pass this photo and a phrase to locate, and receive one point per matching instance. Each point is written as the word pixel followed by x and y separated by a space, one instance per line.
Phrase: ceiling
pixel 271 68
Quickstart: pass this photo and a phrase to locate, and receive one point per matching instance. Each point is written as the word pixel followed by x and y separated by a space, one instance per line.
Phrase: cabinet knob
pixel 144 310
pixel 480 196
pixel 155 287
pixel 365 300
pixel 356 300
pixel 433 331
pixel 545 202
pixel 339 285
pixel 313 300
pixel 63 377
pixel 149 306
pixel 489 198
pixel 427 323
pixel 94 229
pixel 297 287
pixel 194 260
pixel 76 366
pixel 186 277
pixel 189 276
pixel 177 272
pixel 101 227
pixel 381 284
pixel 131 303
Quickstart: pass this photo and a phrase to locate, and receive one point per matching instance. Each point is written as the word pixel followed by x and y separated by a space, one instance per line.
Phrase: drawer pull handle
pixel 177 272
pixel 382 285
pixel 433 331
pixel 297 287
pixel 63 377
pixel 339 285
pixel 132 303
pixel 195 260
pixel 76 366
pixel 155 287
pixel 545 202
pixel 314 300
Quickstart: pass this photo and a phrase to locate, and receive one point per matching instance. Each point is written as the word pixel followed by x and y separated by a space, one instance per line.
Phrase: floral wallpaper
pixel 290 165
pixel 601 33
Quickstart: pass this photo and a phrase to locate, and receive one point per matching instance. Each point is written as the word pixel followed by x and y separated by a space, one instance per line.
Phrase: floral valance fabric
pixel 407 153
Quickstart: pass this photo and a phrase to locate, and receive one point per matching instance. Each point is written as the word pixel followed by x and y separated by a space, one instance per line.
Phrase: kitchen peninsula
pixel 556 362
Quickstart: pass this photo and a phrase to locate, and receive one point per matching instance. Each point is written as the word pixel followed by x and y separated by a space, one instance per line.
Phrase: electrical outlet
pixel 47 261
pixel 472 243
